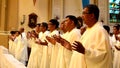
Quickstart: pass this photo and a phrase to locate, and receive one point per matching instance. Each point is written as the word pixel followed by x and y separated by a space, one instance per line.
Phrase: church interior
pixel 16 14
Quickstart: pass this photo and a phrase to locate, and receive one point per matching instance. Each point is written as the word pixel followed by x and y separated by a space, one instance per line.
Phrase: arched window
pixel 114 11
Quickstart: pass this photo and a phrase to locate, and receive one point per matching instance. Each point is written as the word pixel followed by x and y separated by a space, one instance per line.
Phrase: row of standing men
pixel 68 48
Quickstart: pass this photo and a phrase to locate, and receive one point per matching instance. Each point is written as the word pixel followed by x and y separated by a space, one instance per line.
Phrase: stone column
pixel 2 14
pixel 104 11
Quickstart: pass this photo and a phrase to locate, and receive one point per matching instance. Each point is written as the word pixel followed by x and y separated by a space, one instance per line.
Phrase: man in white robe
pixel 21 47
pixel 35 55
pixel 60 62
pixel 93 50
pixel 12 45
pixel 116 46
pixel 42 37
pixel 52 47
pixel 71 35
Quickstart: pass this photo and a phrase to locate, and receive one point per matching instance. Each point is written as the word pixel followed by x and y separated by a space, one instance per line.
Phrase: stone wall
pixel 4 40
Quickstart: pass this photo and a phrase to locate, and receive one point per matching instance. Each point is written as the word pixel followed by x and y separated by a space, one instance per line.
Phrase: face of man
pixel 62 25
pixel 37 28
pixel 51 26
pixel 86 16
pixel 115 31
pixel 42 28
pixel 67 24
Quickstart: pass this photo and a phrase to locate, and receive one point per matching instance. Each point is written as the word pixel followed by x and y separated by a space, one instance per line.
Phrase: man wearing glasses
pixel 93 49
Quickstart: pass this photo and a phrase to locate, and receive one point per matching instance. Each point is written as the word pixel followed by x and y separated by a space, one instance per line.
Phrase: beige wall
pixel 11 20
pixel 12 11
pixel 104 11
pixel 4 41
pixel 8 15
pixel 72 7
pixel 47 9
pixel 2 14
pixel 27 7
pixel 0 10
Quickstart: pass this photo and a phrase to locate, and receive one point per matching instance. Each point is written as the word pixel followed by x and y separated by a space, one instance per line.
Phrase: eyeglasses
pixel 86 13
pixel 50 24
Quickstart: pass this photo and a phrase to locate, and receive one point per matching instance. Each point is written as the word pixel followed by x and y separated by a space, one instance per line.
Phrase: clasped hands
pixel 77 46
pixel 49 39
pixel 38 41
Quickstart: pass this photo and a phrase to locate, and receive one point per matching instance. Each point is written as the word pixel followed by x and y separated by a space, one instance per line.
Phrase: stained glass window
pixel 114 11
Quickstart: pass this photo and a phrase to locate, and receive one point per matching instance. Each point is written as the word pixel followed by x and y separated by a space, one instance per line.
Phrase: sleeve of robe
pixel 98 47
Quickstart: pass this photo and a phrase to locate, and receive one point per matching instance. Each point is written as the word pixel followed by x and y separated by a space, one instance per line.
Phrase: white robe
pixel 35 56
pixel 116 59
pixel 12 47
pixel 35 59
pixel 52 50
pixel 97 49
pixel 116 62
pixel 44 59
pixel 47 51
pixel 60 62
pixel 64 57
pixel 21 49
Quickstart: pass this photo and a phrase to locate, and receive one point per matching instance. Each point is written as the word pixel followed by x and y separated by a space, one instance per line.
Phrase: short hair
pixel 54 22
pixel 117 26
pixel 38 24
pixel 73 18
pixel 12 32
pixel 107 28
pixel 21 29
pixel 80 22
pixel 44 24
pixel 93 9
